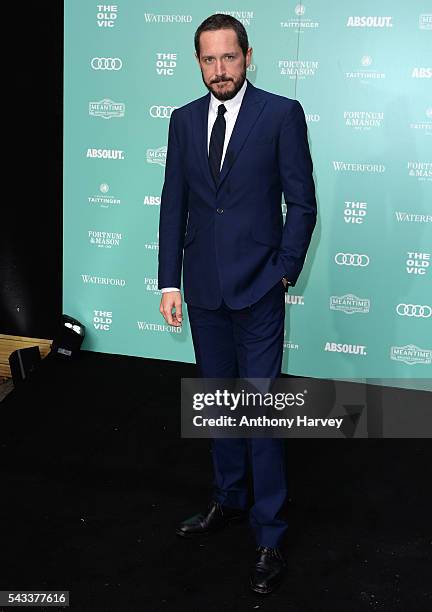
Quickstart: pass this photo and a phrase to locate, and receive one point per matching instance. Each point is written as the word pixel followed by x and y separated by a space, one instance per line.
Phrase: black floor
pixel 95 477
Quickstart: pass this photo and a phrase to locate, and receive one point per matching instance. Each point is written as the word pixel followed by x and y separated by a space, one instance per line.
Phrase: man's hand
pixel 171 300
pixel 285 282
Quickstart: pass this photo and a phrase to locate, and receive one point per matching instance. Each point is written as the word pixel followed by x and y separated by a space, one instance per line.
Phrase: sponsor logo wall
pixel 362 308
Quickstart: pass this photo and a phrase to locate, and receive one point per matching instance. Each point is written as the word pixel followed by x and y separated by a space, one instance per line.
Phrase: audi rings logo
pixel 352 259
pixel 161 112
pixel 106 63
pixel 414 310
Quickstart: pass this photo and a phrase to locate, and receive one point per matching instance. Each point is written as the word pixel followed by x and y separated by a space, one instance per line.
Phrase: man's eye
pixel 230 57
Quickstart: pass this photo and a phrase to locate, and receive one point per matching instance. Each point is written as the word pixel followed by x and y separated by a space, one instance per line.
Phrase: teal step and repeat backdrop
pixel 362 70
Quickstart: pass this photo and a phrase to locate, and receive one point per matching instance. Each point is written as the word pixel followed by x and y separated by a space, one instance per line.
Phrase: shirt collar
pixel 232 105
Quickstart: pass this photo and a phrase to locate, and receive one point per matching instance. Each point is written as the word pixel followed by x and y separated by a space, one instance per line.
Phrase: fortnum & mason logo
pixel 105 240
pixel 298 69
pixel 349 303
pixel 151 284
pixel 245 17
pixel 363 120
pixel 420 170
pixel 107 109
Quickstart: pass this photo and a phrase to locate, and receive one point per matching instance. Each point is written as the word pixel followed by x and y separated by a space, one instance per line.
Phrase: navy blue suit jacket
pixel 231 238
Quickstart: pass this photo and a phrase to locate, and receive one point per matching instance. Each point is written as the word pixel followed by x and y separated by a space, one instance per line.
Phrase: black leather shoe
pixel 216 517
pixel 268 571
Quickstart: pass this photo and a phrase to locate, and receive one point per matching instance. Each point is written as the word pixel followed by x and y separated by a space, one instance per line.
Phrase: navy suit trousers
pixel 246 343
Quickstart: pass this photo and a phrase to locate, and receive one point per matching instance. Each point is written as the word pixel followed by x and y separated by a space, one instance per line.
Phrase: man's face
pixel 223 65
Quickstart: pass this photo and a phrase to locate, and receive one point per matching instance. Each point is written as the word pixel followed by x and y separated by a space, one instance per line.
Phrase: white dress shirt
pixel 232 110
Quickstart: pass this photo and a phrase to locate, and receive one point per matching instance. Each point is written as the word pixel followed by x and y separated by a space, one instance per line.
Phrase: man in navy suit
pixel 231 156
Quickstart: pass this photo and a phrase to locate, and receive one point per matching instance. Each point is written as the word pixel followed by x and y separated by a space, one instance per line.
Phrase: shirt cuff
pixel 166 289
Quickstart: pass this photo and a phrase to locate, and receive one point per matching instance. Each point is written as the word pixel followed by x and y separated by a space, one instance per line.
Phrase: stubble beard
pixel 226 95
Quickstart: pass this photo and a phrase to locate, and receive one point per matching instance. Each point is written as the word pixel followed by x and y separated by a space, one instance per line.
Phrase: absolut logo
pixel 355 212
pixel 88 279
pixel 369 22
pixel 349 304
pixel 105 153
pixel 421 72
pixel 348 349
pixel 417 263
pixel 102 320
pixel 298 69
pixel 150 200
pixel 294 300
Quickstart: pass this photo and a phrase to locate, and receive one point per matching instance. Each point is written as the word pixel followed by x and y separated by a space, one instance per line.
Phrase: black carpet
pixel 95 478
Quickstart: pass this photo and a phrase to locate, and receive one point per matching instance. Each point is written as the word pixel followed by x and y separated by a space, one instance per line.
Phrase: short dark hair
pixel 219 21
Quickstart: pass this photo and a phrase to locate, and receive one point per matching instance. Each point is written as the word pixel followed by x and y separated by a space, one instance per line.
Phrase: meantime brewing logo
pixel 340 166
pixel 298 68
pixel 157 156
pixel 365 72
pixel 161 112
pixel 369 22
pixel 158 327
pixel 349 303
pixel 102 320
pixel 153 18
pixel 355 212
pixel 420 170
pixel 107 109
pixel 349 349
pixel 300 24
pixel 245 17
pixel 102 280
pixel 417 263
pixel 151 284
pixel 411 354
pixel 106 153
pixel 106 63
pixel 106 15
pixel 166 63
pixel 363 120
pixel 424 126
pixel 104 200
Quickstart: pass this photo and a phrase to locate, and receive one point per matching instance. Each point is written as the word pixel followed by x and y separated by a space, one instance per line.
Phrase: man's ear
pixel 197 58
pixel 249 56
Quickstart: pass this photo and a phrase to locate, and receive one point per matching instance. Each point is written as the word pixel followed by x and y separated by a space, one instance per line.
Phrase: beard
pixel 226 95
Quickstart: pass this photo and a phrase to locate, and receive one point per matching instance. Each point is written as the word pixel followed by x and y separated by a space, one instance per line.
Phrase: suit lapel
pixel 250 110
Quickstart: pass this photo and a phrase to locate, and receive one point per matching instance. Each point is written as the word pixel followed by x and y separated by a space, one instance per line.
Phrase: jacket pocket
pixel 270 236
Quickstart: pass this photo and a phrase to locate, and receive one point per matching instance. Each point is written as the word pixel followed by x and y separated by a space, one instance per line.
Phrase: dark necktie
pixel 217 139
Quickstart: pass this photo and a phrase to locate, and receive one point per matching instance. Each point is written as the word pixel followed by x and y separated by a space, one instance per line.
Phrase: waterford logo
pixel 153 18
pixel 404 217
pixel 411 354
pixel 157 156
pixel 349 303
pixel 340 166
pixel 107 109
pixel 102 280
pixel 158 327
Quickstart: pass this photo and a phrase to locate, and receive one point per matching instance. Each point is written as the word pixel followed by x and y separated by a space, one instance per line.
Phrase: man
pixel 231 155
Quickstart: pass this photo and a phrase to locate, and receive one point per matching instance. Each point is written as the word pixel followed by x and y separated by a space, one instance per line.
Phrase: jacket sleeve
pixel 295 166
pixel 173 213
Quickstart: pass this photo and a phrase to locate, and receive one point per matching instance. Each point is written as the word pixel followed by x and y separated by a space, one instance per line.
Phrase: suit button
pixel 219 210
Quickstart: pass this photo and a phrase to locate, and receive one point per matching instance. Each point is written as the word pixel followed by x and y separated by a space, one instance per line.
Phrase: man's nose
pixel 220 67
